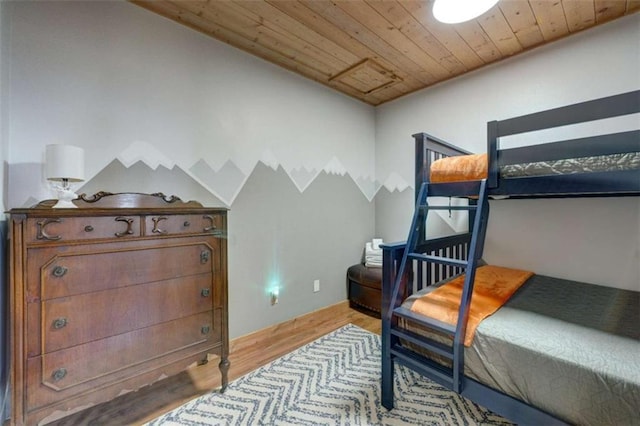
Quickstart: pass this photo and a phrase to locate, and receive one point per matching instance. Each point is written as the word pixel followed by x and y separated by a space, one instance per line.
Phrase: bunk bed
pixel 557 351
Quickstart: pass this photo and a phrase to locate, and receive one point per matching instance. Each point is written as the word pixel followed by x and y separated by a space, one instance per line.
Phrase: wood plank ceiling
pixel 379 50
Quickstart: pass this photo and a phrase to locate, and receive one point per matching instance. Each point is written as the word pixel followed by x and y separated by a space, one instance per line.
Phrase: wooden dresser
pixel 114 295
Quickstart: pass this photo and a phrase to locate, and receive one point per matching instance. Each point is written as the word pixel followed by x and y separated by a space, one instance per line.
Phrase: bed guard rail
pixel 421 274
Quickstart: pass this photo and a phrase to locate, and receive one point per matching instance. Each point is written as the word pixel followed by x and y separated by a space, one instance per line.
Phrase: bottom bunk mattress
pixel 571 349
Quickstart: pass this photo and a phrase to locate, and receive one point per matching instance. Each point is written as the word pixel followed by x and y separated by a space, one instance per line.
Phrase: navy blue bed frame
pixel 432 260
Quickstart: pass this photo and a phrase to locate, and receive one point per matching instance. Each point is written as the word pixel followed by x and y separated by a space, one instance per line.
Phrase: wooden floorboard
pixel 246 354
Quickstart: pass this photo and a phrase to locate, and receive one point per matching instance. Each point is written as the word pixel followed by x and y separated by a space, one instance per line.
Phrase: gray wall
pixel 279 236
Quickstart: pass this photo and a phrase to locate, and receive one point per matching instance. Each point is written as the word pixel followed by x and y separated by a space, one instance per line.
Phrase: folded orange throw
pixel 459 168
pixel 493 286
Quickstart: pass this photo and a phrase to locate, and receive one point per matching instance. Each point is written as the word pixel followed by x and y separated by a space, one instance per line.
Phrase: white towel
pixel 373 253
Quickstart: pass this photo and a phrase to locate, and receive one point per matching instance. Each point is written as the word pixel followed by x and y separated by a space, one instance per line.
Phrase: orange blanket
pixel 459 168
pixel 493 286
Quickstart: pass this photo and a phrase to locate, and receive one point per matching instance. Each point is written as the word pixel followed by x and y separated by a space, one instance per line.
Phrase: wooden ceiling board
pixel 523 22
pixel 578 15
pixel 609 9
pixel 401 19
pixel 380 50
pixel 497 28
pixel 473 34
pixel 633 6
pixel 446 34
pixel 551 19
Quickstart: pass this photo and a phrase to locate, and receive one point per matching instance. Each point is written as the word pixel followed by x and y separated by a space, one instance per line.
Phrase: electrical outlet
pixel 316 286
pixel 274 296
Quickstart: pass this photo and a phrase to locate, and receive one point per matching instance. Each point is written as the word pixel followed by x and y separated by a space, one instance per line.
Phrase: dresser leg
pixel 204 360
pixel 224 369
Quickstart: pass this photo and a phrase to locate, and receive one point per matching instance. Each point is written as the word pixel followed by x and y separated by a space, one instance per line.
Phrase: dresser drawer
pixel 82 228
pixel 59 273
pixel 78 364
pixel 87 368
pixel 183 224
pixel 69 321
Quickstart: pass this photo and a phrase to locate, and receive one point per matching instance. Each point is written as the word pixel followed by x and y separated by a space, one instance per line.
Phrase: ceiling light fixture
pixel 456 11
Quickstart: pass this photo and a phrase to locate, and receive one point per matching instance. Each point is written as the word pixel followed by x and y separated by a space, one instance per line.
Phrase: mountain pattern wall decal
pixel 227 181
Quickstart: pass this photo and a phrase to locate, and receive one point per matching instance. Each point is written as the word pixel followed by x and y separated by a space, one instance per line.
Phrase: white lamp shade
pixel 64 162
pixel 456 11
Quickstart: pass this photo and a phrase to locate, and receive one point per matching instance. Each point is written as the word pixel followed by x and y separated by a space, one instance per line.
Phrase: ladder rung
pixel 438 373
pixel 424 342
pixel 438 259
pixel 430 207
pixel 425 321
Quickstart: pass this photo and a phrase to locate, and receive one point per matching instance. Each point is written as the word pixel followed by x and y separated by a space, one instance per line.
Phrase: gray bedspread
pixel 568 348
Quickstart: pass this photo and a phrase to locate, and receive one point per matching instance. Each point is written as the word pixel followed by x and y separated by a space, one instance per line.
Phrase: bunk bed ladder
pixel 448 377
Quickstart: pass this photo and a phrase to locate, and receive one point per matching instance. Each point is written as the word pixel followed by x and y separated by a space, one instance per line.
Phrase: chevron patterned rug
pixel 334 380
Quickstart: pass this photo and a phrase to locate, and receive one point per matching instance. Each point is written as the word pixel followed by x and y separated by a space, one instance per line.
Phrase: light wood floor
pixel 246 354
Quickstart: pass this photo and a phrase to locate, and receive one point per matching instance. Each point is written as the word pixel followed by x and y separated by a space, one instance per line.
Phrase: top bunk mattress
pixel 475 167
pixel 569 348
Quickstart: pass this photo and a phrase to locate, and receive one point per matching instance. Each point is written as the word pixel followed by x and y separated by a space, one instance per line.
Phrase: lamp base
pixel 65 195
pixel 64 204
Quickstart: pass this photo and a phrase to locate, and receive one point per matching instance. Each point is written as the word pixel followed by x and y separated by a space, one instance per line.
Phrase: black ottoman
pixel 364 285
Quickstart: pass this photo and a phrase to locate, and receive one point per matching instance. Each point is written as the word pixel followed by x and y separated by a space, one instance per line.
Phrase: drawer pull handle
pixel 59 271
pixel 42 233
pixel 204 256
pixel 205 329
pixel 129 229
pixel 88 228
pixel 155 229
pixel 59 374
pixel 209 228
pixel 59 323
pixel 205 292
pixel 186 224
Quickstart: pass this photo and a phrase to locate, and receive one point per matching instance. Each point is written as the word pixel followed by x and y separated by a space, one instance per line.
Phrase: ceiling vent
pixel 367 76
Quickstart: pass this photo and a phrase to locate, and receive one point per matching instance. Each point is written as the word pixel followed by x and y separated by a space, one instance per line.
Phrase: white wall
pixel 596 241
pixel 4 75
pixel 115 79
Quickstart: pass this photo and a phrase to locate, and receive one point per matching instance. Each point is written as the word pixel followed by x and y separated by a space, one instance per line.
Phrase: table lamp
pixel 64 166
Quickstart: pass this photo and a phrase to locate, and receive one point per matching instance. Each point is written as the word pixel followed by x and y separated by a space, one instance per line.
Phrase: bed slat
pixel 423 365
pixel 598 109
pixel 426 343
pixel 442 327
pixel 615 143
pixel 439 259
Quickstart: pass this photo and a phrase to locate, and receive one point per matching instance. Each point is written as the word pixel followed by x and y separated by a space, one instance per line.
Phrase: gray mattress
pixel 568 348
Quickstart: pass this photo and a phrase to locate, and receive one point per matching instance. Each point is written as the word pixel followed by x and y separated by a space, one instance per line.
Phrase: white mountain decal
pixel 269 159
pixel 224 183
pixel 395 182
pixel 147 153
pixel 335 167
pixel 368 186
pixel 302 177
